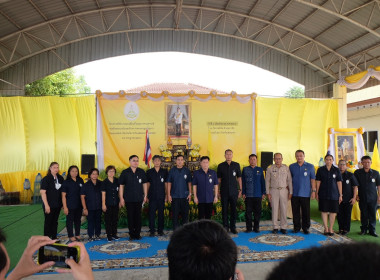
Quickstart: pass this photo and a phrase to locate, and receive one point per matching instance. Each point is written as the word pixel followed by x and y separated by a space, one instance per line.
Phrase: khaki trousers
pixel 279 205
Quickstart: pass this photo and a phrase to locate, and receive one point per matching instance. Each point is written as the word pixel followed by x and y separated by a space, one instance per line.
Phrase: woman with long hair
pixel 51 199
pixel 91 198
pixel 72 206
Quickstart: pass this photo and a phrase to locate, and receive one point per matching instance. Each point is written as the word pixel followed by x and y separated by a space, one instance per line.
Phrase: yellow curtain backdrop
pixel 38 130
pixel 285 125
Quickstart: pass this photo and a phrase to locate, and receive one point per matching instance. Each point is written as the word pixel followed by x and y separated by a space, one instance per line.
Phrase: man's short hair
pixel 155 157
pixel 299 151
pixel 366 157
pixel 252 155
pixel 340 262
pixel 228 150
pixel 277 154
pixel 329 155
pixel 342 160
pixel 180 156
pixel 132 156
pixel 3 257
pixel 201 250
pixel 205 157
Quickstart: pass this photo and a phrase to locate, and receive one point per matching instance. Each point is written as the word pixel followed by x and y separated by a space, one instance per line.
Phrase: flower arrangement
pixel 196 147
pixel 194 153
pixel 162 148
pixel 167 153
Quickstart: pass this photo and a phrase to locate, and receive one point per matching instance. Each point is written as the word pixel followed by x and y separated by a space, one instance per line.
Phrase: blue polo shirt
pixel 179 178
pixel 301 176
pixel 253 181
pixel 205 183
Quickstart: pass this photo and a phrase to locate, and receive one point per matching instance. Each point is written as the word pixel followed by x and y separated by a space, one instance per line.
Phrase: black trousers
pixel 204 210
pixel 94 222
pixel 51 222
pixel 178 129
pixel 111 217
pixel 180 206
pixel 134 218
pixel 231 201
pixel 73 217
pixel 252 204
pixel 301 204
pixel 368 215
pixel 156 205
pixel 344 216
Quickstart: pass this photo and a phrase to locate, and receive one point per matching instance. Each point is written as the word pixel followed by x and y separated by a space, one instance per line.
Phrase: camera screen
pixel 58 254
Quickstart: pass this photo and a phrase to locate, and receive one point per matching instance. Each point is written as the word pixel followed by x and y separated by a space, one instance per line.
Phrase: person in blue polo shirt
pixel 253 192
pixel 205 188
pixel 303 179
pixel 179 191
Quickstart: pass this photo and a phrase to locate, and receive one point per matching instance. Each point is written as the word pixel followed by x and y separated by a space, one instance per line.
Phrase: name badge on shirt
pixel 57 186
pixel 347 181
pixel 334 175
pixel 140 181
pixel 185 176
pixel 234 173
pixel 210 180
pixel 117 189
pixel 80 185
pixel 162 180
pixel 305 174
pixel 373 180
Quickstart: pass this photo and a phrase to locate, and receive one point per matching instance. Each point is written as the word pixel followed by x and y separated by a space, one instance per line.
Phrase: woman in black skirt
pixel 110 202
pixel 329 193
pixel 51 198
pixel 91 197
pixel 72 206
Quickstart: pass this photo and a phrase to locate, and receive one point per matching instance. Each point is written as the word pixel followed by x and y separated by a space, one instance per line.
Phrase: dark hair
pixel 326 156
pixel 51 164
pixel 205 157
pixel 201 250
pixel 299 151
pixel 3 257
pixel 91 171
pixel 180 156
pixel 252 155
pixel 110 167
pixel 277 154
pixel 132 156
pixel 156 156
pixel 228 150
pixel 343 261
pixel 68 172
pixel 366 157
pixel 342 160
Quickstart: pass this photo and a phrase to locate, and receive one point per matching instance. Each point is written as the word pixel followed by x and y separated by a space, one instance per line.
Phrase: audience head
pixel 4 259
pixel 339 262
pixel 201 250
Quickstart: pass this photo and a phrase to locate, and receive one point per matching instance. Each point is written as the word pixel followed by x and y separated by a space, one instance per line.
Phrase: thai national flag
pixel 147 151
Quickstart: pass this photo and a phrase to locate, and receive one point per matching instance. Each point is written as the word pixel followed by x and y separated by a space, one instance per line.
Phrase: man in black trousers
pixel 369 187
pixel 229 177
pixel 157 186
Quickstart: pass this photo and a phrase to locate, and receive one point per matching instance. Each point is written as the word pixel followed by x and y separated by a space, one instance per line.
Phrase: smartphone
pixel 58 253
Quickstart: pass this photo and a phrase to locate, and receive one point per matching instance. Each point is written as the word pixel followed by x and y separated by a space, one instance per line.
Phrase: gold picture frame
pixel 175 113
pixel 346 147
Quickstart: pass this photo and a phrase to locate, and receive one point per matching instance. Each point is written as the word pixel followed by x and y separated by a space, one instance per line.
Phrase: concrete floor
pixel 257 271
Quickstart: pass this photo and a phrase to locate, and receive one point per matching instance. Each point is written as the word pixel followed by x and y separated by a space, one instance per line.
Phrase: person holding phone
pixel 71 201
pixel 110 202
pixel 179 191
pixel 91 198
pixel 52 200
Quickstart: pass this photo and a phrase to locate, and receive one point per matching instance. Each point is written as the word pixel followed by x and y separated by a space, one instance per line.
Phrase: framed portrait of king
pixel 178 120
pixel 346 147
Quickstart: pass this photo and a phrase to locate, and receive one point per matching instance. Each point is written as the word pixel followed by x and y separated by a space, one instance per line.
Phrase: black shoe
pixel 284 231
pixel 374 234
pixel 363 232
pixel 234 231
pixel 344 232
pixel 275 231
pixel 138 237
pixel 109 239
pixel 97 238
pixel 296 230
pixel 151 234
pixel 160 233
pixel 131 238
pixel 256 230
pixel 115 237
pixel 306 231
pixel 90 239
pixel 331 233
pixel 248 231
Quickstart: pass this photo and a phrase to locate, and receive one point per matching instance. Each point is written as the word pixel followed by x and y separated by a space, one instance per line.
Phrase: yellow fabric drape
pixel 38 130
pixel 286 125
pixel 357 77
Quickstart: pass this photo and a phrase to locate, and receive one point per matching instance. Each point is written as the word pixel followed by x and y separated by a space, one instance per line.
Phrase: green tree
pixel 60 83
pixel 295 92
